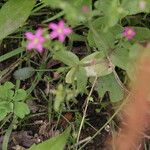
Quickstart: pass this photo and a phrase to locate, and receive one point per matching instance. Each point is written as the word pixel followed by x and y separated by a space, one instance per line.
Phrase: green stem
pixel 8 133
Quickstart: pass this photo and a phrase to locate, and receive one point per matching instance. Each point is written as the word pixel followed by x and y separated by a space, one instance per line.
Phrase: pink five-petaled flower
pixel 35 41
pixel 129 33
pixel 85 9
pixel 60 31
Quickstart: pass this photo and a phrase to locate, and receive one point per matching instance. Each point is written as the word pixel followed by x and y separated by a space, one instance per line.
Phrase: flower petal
pixel 61 24
pixel 54 34
pixel 29 35
pixel 41 39
pixel 61 37
pixel 53 26
pixel 39 32
pixel 39 48
pixel 30 46
pixel 67 31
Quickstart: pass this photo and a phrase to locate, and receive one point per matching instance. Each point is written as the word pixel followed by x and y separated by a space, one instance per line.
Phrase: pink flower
pixel 35 41
pixel 85 9
pixel 59 30
pixel 142 5
pixel 129 33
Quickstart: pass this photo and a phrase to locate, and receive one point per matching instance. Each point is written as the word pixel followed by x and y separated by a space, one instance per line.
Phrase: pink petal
pixel 85 9
pixel 61 24
pixel 39 32
pixel 39 48
pixel 67 31
pixel 124 34
pixel 53 26
pixel 41 39
pixel 30 46
pixel 129 37
pixel 29 35
pixel 61 37
pixel 54 34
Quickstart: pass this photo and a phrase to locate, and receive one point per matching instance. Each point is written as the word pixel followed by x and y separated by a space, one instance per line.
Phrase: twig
pixel 116 76
pixel 85 110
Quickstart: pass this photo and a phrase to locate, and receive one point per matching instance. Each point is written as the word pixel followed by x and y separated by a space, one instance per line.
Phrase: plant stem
pixel 85 110
pixel 7 134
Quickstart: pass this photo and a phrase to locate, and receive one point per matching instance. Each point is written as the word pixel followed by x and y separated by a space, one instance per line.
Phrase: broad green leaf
pixel 5 108
pixel 72 9
pixel 96 65
pixel 77 37
pixel 136 6
pixel 66 57
pixel 3 113
pixel 8 85
pixel 13 14
pixel 20 95
pixel 81 79
pixel 109 83
pixel 21 109
pixel 101 39
pixel 120 57
pixel 54 3
pixel 56 143
pixel 24 73
pixel 5 91
pixel 142 34
pixel 112 11
pixel 135 52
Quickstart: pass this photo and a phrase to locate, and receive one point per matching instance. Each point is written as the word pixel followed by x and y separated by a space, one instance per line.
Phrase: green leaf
pixel 20 95
pixel 5 108
pixel 142 34
pixel 136 6
pixel 120 57
pixel 8 85
pixel 109 83
pixel 77 37
pixel 56 143
pixel 101 39
pixel 71 75
pixel 24 73
pixel 53 3
pixel 81 79
pixel 66 57
pixel 5 91
pixel 112 11
pixel 136 50
pixel 3 113
pixel 13 14
pixel 21 109
pixel 11 54
pixel 72 9
pixel 96 65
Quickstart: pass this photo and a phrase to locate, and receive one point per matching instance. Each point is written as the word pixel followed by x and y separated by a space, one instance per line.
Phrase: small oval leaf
pixel 24 73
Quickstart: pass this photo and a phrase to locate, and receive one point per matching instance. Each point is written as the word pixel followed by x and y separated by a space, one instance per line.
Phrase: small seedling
pixel 12 101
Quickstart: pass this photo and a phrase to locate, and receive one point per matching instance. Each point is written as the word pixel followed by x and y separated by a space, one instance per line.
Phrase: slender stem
pixel 7 134
pixel 85 110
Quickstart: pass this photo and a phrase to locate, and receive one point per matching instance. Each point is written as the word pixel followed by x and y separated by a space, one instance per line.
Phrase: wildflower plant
pixel 112 33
